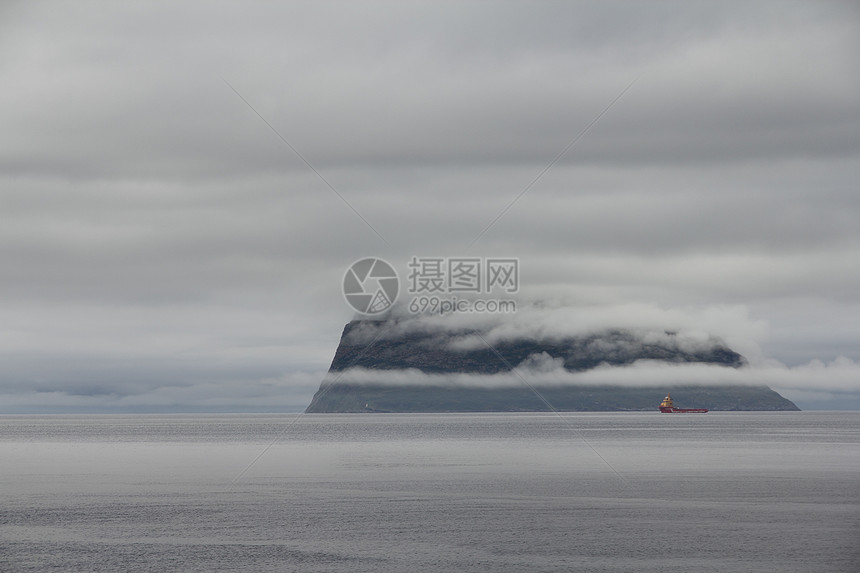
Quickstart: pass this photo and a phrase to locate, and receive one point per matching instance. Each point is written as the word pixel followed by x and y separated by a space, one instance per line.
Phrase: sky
pixel 184 184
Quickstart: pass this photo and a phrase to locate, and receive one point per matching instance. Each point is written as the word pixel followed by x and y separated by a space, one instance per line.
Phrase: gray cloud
pixel 838 376
pixel 145 210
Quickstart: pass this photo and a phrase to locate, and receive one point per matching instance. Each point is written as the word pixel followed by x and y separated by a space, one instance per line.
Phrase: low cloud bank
pixel 833 385
pixel 840 375
pixel 545 318
pixel 287 393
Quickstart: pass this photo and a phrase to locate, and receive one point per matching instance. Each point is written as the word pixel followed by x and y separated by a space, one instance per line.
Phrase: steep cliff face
pixel 383 347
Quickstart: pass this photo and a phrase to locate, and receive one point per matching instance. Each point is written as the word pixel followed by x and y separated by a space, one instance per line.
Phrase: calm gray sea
pixel 723 492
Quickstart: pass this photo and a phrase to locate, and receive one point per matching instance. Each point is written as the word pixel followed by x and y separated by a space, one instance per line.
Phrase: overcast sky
pixel 161 248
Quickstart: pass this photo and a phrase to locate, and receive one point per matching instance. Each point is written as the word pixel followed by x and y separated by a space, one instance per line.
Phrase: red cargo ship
pixel 668 407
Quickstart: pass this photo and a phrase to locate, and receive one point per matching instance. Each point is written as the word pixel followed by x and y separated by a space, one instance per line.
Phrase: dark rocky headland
pixel 387 346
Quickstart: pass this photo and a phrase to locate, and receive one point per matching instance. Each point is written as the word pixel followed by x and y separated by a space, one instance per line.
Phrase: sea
pixel 497 492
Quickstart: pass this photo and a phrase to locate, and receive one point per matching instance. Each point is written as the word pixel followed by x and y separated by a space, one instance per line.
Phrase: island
pixel 386 366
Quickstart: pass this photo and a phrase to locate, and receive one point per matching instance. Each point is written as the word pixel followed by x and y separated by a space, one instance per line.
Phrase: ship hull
pixel 673 410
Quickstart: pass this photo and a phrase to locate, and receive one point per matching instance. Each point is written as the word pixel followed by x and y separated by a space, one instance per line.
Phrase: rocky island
pixel 396 366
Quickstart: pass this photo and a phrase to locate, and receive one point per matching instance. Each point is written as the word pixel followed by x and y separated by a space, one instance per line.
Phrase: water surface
pixel 727 492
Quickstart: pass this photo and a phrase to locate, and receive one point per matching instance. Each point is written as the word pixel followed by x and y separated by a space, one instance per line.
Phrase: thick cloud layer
pixel 162 248
pixel 835 378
